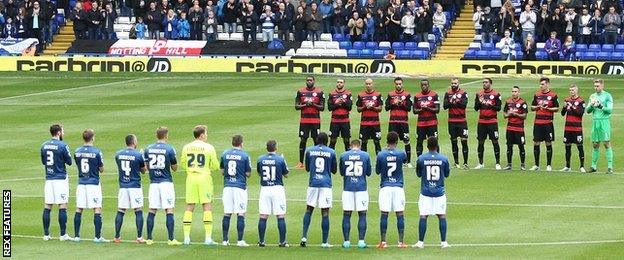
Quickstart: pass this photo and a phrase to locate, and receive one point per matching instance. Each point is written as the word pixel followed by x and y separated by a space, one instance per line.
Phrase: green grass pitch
pixel 490 214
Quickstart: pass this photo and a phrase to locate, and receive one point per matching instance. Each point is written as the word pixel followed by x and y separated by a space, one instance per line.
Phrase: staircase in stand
pixel 62 41
pixel 458 37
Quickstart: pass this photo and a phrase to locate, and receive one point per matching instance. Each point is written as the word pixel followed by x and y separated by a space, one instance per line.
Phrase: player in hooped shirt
pixel 391 194
pixel 545 104
pixel 236 168
pixel 272 169
pixel 310 100
pixel 355 167
pixel 320 163
pixel 340 104
pixel 573 110
pixel 90 164
pixel 426 106
pixel 55 154
pixel 456 101
pixel 130 166
pixel 369 103
pixel 433 168
pixel 488 103
pixel 399 103
pixel 515 111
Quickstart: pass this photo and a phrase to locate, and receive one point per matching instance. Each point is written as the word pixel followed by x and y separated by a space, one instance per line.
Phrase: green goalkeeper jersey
pixel 600 105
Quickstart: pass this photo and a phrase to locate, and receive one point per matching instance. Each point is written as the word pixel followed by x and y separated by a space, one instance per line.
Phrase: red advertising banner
pixel 157 48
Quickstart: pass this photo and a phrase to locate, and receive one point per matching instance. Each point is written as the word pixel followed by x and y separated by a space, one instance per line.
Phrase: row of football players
pixel 199 161
pixel 310 100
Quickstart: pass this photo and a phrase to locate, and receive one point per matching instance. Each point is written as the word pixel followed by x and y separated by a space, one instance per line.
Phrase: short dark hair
pixel 545 79
pixel 516 87
pixel 432 143
pixel 310 76
pixel 488 79
pixel 88 135
pixel 356 142
pixel 424 80
pixel 237 140
pixel 392 138
pixel 322 138
pixel 398 79
pixel 199 130
pixel 162 132
pixel 271 146
pixel 130 139
pixel 55 129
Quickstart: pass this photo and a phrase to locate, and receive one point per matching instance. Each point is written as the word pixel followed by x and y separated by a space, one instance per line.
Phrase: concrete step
pixel 57 47
pixel 65 37
pixel 53 52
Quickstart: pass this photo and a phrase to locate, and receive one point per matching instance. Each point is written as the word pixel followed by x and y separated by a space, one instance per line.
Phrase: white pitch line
pixel 23 179
pixel 70 89
pixel 552 243
pixel 482 204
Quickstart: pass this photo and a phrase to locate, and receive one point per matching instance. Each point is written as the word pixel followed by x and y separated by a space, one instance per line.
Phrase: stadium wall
pixel 292 65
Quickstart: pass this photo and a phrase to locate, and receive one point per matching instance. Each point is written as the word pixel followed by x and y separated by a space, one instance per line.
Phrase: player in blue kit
pixel 236 168
pixel 320 162
pixel 90 164
pixel 55 155
pixel 355 166
pixel 391 195
pixel 432 168
pixel 160 158
pixel 272 169
pixel 130 166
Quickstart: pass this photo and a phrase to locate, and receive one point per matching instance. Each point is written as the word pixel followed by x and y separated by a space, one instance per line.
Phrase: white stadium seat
pixel 223 36
pixel 219 28
pixel 498 45
pixel 385 44
pixel 540 45
pixel 303 52
pixel 290 52
pixel 236 37
pixel 123 20
pixel 320 45
pixel 259 36
pixel 478 37
pixel 332 45
pixel 326 37
pixel 424 45
pixel 123 35
pixel 307 45
pixel 337 53
pixel 474 45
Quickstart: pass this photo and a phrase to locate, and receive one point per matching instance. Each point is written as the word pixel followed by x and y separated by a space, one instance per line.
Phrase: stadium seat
pixel 326 37
pixel 290 52
pixel 219 28
pixel 303 52
pixel 518 47
pixel 345 45
pixel 371 45
pixel 223 36
pixel 581 47
pixel 603 55
pixel 332 45
pixel 498 45
pixel 123 20
pixel 123 35
pixel 384 45
pixel 590 55
pixel 482 55
pixel 518 55
pixel 594 47
pixel 608 47
pixel 307 45
pixel 410 46
pixel 379 54
pixel 487 46
pixel 398 46
pixel 358 45
pixel 424 46
pixel 540 46
pixel 364 38
pixel 366 53
pixel 421 55
pixel 495 54
pixel 619 47
pixel 236 37
pixel 320 45
pixel 477 38
pixel 541 55
pixel 403 54
pixel 353 53
pixel 617 56
pixel 432 37
pixel 470 54
pixel 338 37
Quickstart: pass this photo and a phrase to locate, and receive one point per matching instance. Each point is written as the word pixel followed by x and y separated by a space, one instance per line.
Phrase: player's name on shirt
pixel 320 153
pixel 86 155
pixel 126 157
pixel 156 151
pixel 233 157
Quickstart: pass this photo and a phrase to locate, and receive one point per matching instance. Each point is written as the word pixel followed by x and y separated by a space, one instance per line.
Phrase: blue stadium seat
pixel 337 37
pixel 358 45
pixel 403 54
pixel 398 45
pixel 421 55
pixel 590 55
pixel 594 47
pixel 487 46
pixel 518 47
pixel 617 56
pixel 371 45
pixel 379 54
pixel 519 56
pixel 345 45
pixel 353 53
pixel 541 55
pixel 608 47
pixel 410 46
pixel 470 54
pixel 603 55
pixel 482 55
pixel 366 53
pixel 365 38
pixel 581 47
pixel 619 47
pixel 495 54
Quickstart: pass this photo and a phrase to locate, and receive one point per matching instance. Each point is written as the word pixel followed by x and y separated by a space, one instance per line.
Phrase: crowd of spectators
pixel 27 19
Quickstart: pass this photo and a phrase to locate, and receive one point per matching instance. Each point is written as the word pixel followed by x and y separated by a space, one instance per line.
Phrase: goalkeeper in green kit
pixel 600 107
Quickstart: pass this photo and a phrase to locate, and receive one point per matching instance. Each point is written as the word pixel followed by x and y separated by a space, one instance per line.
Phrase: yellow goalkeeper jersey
pixel 199 157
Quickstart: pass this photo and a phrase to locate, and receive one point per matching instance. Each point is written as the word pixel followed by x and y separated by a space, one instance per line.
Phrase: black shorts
pixel 515 138
pixel 572 137
pixel 309 130
pixel 370 132
pixel 458 130
pixel 401 129
pixel 485 131
pixel 543 133
pixel 340 129
pixel 424 132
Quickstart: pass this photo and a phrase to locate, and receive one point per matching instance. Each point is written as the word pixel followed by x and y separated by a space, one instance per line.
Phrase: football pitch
pixel 491 214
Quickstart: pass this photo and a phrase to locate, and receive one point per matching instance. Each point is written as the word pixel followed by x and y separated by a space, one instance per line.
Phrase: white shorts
pixel 161 195
pixel 355 200
pixel 234 200
pixel 391 199
pixel 432 205
pixel 130 198
pixel 56 191
pixel 320 196
pixel 88 196
pixel 272 200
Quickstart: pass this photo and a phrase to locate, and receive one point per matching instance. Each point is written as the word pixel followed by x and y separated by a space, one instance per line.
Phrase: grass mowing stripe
pixel 71 89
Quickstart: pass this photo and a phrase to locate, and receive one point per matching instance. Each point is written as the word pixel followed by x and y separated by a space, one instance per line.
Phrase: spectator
pixel 339 18
pixel 542 26
pixel 371 6
pixel 488 26
pixel 568 49
pixel 140 28
pixel 528 18
pixel 164 7
pixel 95 19
pixel 584 28
pixel 290 8
pixel 141 8
pixel 184 27
pixel 11 9
pixel 570 3
pixel 195 20
pixel 180 6
pixel 529 48
pixel 571 22
pixel 108 20
pixel 369 25
pixel 596 27
pixel 268 24
pixel 154 21
pixel 476 19
pixel 249 20
pixel 313 20
pixel 170 25
pixel 211 23
pixel 50 11
pixel 393 24
pixel 284 23
pixel 422 24
pixel 9 30
pixel 408 24
pixel 380 33
pixel 556 22
pixel 599 5
pixel 36 21
pixel 503 22
pixel 506 45
pixel 79 18
pixel 230 13
pixel 326 9
pixel 553 46
pixel 300 25
pixel 611 22
pixel 439 19
pixel 390 55
pixel 496 6
pixel 356 26
pixel 209 7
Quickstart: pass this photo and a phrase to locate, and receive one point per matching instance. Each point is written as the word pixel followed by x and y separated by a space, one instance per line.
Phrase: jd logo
pixel 159 65
pixel 382 67
pixel 612 68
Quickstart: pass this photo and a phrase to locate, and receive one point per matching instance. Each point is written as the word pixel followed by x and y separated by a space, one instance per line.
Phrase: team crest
pixel 314 94
pixel 344 96
pixel 549 97
pixel 491 96
pixel 402 97
pixel 374 97
pixel 576 103
pixel 518 105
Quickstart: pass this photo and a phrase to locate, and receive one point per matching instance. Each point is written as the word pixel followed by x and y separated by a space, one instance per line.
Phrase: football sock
pixel 97 222
pixel 480 150
pixel 362 225
pixel 536 154
pixel 568 154
pixel 549 154
pixel 240 227
pixel 595 155
pixel 208 224
pixel 442 229
pixel 118 222
pixel 262 228
pixel 419 146
pixel 150 224
pixel 187 219
pixel 383 226
pixel 139 222
pixel 77 220
pixel 455 150
pixel 346 144
pixel 522 153
pixel 422 229
pixel 170 225
pixel 302 146
pixel 496 151
pixel 610 158
pixel 46 221
pixel 465 150
pixel 346 225
pixel 401 227
pixel 225 226
pixel 509 153
pixel 581 154
pixel 332 143
pixel 377 146
pixel 62 220
pixel 307 217
pixel 408 151
pixel 281 226
pixel 325 228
